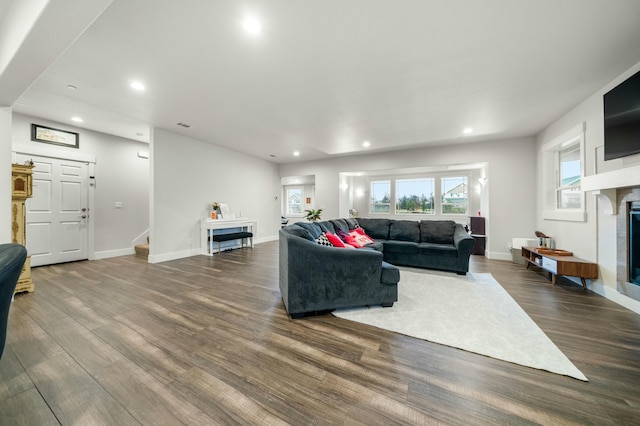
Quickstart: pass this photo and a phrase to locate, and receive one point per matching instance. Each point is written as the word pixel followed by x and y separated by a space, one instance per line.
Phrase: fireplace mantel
pixel 604 185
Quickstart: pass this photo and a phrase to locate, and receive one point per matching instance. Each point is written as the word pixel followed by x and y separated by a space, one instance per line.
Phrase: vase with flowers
pixel 215 210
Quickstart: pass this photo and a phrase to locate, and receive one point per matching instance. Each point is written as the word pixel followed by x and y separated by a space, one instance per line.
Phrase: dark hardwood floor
pixel 206 340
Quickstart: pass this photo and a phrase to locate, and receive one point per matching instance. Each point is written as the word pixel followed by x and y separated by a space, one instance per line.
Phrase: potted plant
pixel 313 215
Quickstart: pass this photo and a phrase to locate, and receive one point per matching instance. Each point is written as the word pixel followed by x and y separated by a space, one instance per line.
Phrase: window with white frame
pixel 568 193
pixel 380 196
pixel 294 200
pixel 455 195
pixel 415 196
pixel 563 169
pixel 430 194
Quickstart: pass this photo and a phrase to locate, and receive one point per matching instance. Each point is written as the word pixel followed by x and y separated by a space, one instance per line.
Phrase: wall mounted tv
pixel 622 119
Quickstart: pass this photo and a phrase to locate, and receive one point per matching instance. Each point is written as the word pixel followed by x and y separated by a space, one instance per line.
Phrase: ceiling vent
pixel 186 126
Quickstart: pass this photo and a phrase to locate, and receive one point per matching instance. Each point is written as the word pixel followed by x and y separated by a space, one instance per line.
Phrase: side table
pixel 557 264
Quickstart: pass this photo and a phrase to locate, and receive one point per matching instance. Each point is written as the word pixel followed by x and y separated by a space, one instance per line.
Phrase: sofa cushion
pixel 340 224
pixel 408 247
pixel 352 222
pixel 377 246
pixel 347 239
pixel 323 240
pixel 405 230
pixel 337 242
pixel 299 231
pixel 361 238
pixel 442 250
pixel 437 231
pixel 326 226
pixel 375 228
pixel 313 228
pixel 390 273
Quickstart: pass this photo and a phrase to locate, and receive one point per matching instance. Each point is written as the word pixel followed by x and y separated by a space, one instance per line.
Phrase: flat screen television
pixel 622 119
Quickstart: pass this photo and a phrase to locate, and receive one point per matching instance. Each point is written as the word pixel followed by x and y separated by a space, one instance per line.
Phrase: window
pixel 380 196
pixel 454 195
pixel 568 194
pixel 415 196
pixel 563 168
pixel 294 200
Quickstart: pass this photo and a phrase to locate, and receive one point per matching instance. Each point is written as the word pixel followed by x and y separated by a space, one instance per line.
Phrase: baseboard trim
pixel 498 255
pixel 157 258
pixel 113 253
pixel 615 296
pixel 265 239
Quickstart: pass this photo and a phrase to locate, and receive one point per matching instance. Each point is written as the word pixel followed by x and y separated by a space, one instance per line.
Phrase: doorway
pixel 58 213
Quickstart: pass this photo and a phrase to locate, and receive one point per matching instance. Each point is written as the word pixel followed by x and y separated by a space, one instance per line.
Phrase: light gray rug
pixel 471 312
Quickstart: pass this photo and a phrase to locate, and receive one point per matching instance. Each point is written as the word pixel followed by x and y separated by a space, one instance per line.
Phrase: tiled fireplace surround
pixel 624 196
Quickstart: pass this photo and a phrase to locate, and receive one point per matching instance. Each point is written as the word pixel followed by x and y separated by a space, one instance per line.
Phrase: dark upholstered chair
pixel 12 257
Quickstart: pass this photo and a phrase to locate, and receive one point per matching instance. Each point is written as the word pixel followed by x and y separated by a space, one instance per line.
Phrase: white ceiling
pixel 326 75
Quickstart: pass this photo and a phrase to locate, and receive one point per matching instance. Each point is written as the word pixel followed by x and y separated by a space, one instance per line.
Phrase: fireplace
pixel 634 242
pixel 628 237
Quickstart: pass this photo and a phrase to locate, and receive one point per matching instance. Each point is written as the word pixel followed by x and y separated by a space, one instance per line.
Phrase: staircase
pixel 142 250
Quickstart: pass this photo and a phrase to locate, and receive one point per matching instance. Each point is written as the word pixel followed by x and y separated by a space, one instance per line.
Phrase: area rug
pixel 471 312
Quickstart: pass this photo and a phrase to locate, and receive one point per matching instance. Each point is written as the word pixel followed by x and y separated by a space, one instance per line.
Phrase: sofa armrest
pixel 464 244
pixel 311 274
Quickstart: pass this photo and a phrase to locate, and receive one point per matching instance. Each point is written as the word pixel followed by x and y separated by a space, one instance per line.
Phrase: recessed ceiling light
pixel 185 125
pixel 296 153
pixel 252 25
pixel 366 144
pixel 467 131
pixel 272 155
pixel 71 87
pixel 136 85
pixel 77 119
pixel 139 134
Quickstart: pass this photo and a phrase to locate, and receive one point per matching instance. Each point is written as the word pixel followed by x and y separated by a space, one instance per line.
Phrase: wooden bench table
pixel 560 265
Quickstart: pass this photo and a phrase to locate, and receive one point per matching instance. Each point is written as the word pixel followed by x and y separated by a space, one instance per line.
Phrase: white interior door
pixel 57 214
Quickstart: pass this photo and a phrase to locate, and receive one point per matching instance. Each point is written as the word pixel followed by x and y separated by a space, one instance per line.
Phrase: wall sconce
pixel 344 186
pixel 359 193
pixel 482 180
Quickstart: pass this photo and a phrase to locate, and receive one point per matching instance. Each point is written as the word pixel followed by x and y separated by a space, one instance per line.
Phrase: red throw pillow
pixel 362 239
pixel 337 242
pixel 352 241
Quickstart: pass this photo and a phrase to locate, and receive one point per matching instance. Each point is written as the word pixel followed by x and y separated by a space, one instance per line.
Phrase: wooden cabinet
pixel 560 265
pixel 478 233
pixel 21 189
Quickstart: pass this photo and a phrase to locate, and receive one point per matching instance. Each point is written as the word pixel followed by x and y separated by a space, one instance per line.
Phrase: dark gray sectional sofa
pixel 315 278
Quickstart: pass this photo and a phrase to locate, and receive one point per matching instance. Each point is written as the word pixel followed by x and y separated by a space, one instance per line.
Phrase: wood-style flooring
pixel 206 340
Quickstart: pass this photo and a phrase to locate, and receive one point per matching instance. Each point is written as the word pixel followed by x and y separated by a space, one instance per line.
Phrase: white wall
pixel 595 239
pixel 510 187
pixel 5 174
pixel 187 175
pixel 120 176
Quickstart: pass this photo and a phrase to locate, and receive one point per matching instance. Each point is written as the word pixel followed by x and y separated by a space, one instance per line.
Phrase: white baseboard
pixel 113 253
pixel 498 255
pixel 157 258
pixel 615 296
pixel 265 239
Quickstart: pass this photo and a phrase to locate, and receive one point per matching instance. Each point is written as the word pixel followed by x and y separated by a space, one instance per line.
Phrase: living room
pixel 165 195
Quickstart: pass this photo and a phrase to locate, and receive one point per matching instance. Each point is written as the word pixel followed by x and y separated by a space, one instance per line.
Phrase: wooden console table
pixel 561 265
pixel 208 226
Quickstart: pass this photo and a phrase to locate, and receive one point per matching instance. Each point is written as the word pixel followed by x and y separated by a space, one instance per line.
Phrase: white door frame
pixel 51 152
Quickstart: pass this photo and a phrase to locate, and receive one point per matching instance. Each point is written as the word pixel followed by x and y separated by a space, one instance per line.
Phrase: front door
pixel 57 214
